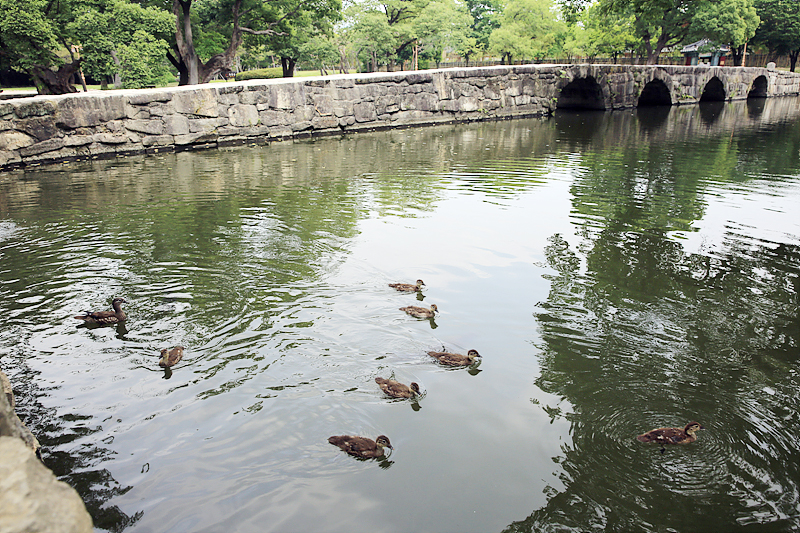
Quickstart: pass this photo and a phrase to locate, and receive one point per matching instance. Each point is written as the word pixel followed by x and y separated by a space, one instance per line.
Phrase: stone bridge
pixel 96 124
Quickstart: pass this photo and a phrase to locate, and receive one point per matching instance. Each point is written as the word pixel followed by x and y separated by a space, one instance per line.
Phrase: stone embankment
pixel 32 500
pixel 106 124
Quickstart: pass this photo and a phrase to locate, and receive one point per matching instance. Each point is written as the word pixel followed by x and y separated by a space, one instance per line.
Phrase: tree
pixel 31 34
pixel 441 24
pixel 779 31
pixel 235 19
pixel 607 33
pixel 527 28
pixel 116 24
pixel 485 19
pixel 371 35
pixel 657 23
pixel 732 22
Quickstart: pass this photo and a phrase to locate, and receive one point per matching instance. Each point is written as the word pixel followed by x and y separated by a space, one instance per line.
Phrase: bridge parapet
pixel 50 129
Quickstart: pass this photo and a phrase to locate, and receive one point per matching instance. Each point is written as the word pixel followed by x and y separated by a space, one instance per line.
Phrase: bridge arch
pixel 759 87
pixel 582 93
pixel 713 91
pixel 654 93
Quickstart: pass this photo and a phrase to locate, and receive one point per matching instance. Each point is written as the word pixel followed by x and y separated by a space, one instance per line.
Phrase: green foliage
pixel 142 62
pixel 779 31
pixel 115 24
pixel 731 22
pixel 607 33
pixel 528 28
pixel 30 34
pixel 259 74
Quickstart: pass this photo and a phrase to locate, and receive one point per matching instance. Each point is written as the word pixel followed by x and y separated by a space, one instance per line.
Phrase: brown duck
pixel 106 317
pixel 672 435
pixel 408 287
pixel 455 359
pixel 171 357
pixel 420 312
pixel 395 389
pixel 361 446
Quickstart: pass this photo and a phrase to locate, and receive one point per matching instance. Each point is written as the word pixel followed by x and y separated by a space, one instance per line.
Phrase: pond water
pixel 617 272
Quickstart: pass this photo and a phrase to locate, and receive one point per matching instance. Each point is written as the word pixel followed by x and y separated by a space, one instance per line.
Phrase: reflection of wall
pixel 105 124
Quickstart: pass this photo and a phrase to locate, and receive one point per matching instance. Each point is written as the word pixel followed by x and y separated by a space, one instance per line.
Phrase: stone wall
pixel 106 124
pixel 32 500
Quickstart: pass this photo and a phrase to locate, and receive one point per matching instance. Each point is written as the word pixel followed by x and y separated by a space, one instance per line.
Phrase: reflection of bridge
pixel 48 129
pixel 617 86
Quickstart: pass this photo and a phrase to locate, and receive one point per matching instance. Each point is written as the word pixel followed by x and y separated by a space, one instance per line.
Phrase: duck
pixel 395 389
pixel 106 317
pixel 361 446
pixel 420 312
pixel 408 287
pixel 455 359
pixel 664 436
pixel 171 357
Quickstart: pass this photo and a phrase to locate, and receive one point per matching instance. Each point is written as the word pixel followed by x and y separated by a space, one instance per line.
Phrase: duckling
pixel 396 389
pixel 106 317
pixel 361 446
pixel 408 287
pixel 455 359
pixel 420 312
pixel 171 357
pixel 672 435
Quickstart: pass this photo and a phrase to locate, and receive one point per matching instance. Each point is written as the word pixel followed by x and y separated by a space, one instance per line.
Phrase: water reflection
pixel 670 262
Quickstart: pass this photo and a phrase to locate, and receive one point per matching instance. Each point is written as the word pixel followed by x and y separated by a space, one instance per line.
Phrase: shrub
pixel 260 74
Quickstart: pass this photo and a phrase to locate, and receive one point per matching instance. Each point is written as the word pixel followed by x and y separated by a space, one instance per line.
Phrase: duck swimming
pixel 455 359
pixel 106 317
pixel 672 435
pixel 420 312
pixel 171 357
pixel 361 446
pixel 395 389
pixel 408 287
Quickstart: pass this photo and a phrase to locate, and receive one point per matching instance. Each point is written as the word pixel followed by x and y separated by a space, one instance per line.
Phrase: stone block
pixel 157 140
pixel 86 111
pixel 78 140
pixel 150 127
pixel 33 500
pixel 260 97
pixel 274 118
pixel 176 125
pixel 147 97
pixel 228 99
pixel 39 108
pixel 198 125
pixel 201 102
pixel 319 123
pixel 323 104
pixel 49 145
pixel 42 128
pixel 109 138
pixel 287 96
pixel 242 115
pixel 196 138
pixel 14 140
pixel 364 112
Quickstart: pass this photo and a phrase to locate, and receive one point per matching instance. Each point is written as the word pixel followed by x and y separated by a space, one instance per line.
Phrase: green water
pixel 617 271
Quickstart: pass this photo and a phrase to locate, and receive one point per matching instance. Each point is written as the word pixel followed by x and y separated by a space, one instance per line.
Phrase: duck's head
pixel 472 354
pixel 692 428
pixel 420 283
pixel 119 301
pixel 434 308
pixel 414 387
pixel 383 442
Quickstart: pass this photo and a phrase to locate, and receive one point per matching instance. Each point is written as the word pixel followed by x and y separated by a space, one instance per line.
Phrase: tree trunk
pixel 185 41
pixel 288 66
pixel 117 77
pixel 55 81
pixel 737 54
pixel 793 59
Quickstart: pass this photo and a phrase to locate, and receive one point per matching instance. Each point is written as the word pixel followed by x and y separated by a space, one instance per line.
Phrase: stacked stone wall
pixel 105 124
